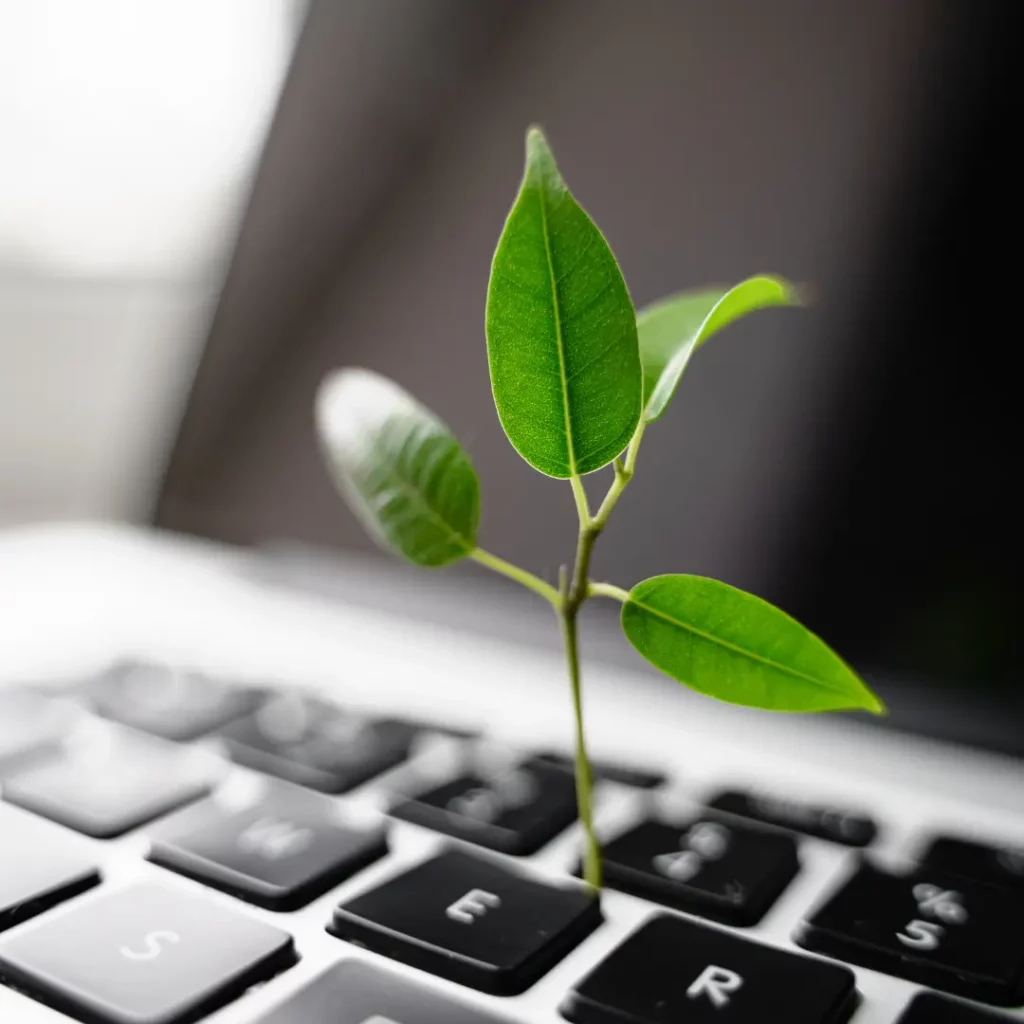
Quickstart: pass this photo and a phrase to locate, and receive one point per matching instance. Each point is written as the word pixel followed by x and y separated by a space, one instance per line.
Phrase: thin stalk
pixel 624 469
pixel 607 590
pixel 521 576
pixel 580 495
pixel 572 594
pixel 584 777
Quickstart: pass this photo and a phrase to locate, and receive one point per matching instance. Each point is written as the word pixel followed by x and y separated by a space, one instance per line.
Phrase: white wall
pixel 92 374
pixel 128 132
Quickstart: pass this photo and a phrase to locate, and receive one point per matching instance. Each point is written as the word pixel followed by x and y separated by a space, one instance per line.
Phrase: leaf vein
pixel 396 482
pixel 563 277
pixel 589 304
pixel 559 340
pixel 610 347
pixel 735 648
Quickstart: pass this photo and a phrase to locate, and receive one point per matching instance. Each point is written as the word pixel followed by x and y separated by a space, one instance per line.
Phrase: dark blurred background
pixel 852 462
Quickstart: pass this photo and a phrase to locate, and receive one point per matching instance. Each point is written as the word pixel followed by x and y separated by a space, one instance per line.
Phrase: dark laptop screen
pixel 856 463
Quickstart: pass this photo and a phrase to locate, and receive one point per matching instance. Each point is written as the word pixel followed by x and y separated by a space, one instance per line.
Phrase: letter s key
pixel 153 946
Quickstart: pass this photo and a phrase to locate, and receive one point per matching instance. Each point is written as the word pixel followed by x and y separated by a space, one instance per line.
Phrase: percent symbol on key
pixel 944 904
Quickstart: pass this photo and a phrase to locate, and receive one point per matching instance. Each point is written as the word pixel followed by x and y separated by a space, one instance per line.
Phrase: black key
pixel 110 784
pixel 833 823
pixel 1002 866
pixel 625 775
pixel 40 866
pixel 143 955
pixel 287 849
pixel 316 744
pixel 471 920
pixel 516 812
pixel 174 703
pixel 720 870
pixel 359 993
pixel 932 1009
pixel 30 726
pixel 676 970
pixel 949 933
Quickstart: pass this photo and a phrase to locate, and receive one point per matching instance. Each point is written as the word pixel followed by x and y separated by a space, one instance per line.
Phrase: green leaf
pixel 674 328
pixel 732 645
pixel 399 468
pixel 561 330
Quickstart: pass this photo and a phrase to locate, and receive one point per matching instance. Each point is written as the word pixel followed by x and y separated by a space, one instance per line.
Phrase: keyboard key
pixel 932 1009
pixel 624 775
pixel 280 853
pixel 947 932
pixel 143 955
pixel 359 993
pixel 40 866
pixel 110 783
pixel 1002 866
pixel 171 702
pixel 676 970
pixel 727 872
pixel 833 823
pixel 30 726
pixel 472 921
pixel 516 812
pixel 316 744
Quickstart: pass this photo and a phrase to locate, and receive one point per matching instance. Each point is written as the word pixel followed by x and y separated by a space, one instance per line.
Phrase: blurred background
pixel 206 204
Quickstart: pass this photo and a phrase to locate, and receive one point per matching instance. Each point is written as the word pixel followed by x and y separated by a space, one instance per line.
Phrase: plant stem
pixel 624 469
pixel 607 590
pixel 584 778
pixel 574 593
pixel 582 505
pixel 527 579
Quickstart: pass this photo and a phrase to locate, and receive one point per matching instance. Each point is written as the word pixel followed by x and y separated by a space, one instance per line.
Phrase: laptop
pixel 252 775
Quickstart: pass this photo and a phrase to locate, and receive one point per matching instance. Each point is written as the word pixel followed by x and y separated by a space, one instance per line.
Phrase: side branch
pixel 521 576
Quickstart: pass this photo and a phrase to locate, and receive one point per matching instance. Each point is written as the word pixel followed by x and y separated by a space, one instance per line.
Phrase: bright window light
pixel 129 128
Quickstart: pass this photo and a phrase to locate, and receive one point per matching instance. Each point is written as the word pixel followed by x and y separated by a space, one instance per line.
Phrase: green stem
pixel 521 576
pixel 572 594
pixel 582 505
pixel 607 590
pixel 584 778
pixel 624 469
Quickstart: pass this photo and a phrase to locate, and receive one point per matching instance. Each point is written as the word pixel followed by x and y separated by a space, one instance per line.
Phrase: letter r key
pixel 672 969
pixel 716 984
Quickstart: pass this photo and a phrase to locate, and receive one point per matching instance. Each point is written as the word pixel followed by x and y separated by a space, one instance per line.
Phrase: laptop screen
pixel 851 462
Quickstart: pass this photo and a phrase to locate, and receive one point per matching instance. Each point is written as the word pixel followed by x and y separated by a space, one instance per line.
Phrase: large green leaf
pixel 398 467
pixel 561 330
pixel 674 328
pixel 734 646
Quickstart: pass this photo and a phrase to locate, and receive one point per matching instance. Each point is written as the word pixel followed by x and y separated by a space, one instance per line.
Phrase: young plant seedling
pixel 578 376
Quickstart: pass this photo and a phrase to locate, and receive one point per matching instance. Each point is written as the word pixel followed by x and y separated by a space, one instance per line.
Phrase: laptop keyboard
pixel 275 834
pixel 673 970
pixel 515 811
pixel 471 920
pixel 200 957
pixel 952 933
pixel 280 853
pixel 727 872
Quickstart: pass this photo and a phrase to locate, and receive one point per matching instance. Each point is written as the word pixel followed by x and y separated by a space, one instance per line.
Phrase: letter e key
pixel 474 904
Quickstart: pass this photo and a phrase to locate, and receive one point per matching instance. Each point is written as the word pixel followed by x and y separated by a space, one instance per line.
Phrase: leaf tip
pixel 874 704
pixel 540 161
pixel 536 142
pixel 802 294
